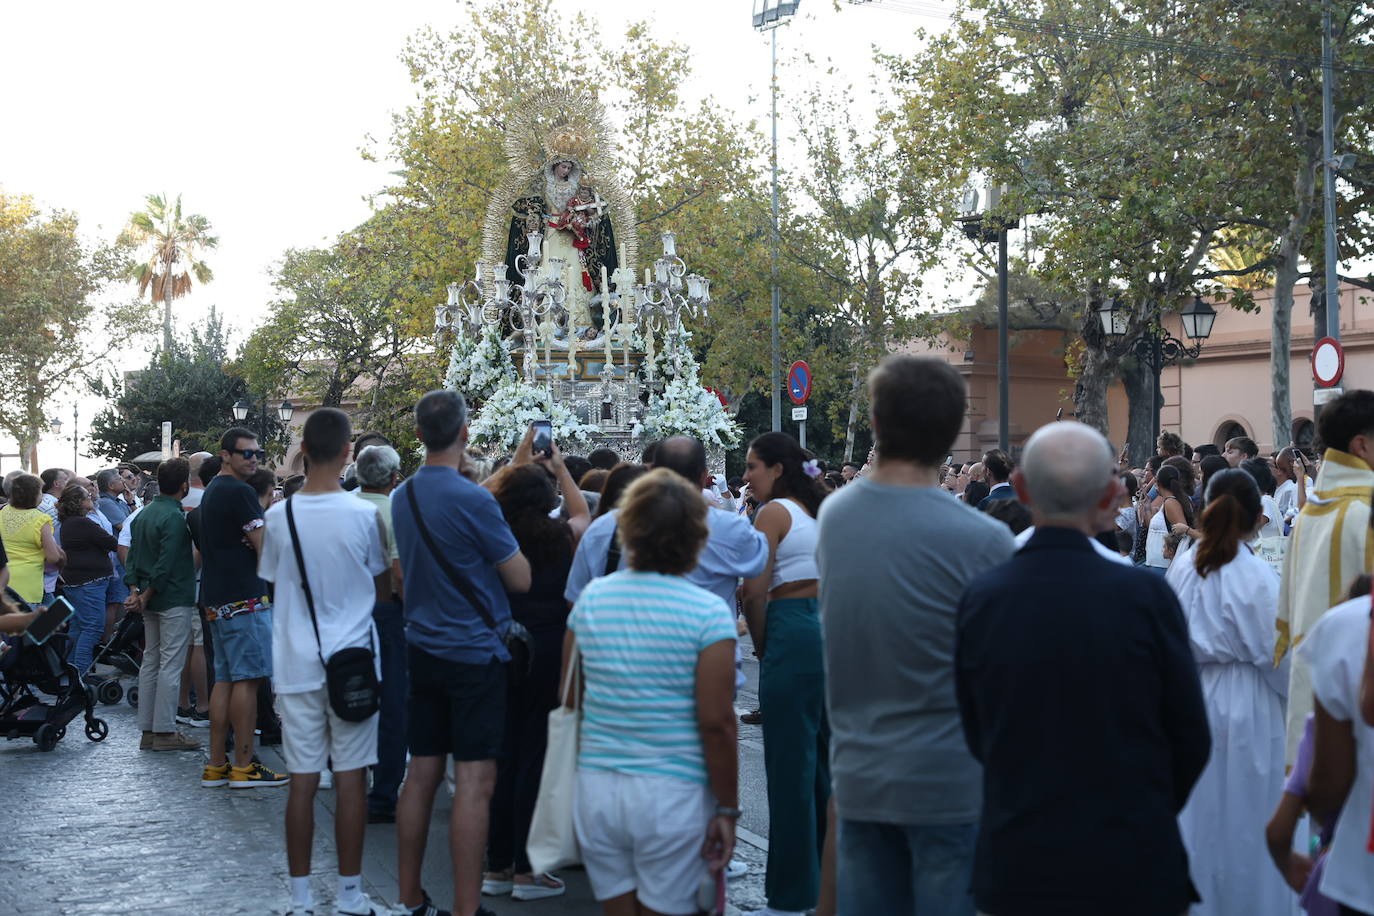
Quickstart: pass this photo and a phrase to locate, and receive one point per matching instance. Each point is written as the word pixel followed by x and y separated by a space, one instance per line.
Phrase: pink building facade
pixel 1225 392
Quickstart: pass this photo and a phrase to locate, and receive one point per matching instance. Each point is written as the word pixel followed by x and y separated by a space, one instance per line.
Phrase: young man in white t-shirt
pixel 1343 762
pixel 346 566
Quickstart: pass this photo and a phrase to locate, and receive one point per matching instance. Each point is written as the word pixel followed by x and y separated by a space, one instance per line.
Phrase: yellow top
pixel 22 532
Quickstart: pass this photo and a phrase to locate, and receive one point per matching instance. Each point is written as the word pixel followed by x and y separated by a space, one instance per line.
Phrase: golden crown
pixel 565 141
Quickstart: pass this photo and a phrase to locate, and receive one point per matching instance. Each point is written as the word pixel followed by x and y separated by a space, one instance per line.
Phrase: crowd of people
pixel 1042 684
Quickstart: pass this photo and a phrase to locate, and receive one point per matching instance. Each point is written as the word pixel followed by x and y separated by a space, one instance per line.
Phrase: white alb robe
pixel 1230 616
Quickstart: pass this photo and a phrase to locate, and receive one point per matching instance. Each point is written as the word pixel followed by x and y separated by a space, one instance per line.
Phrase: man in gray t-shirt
pixel 895 552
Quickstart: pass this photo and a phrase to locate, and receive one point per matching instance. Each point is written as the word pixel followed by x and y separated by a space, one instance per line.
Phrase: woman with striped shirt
pixel 657 769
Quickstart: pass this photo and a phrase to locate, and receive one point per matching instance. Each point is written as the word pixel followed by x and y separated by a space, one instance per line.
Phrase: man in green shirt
pixel 161 574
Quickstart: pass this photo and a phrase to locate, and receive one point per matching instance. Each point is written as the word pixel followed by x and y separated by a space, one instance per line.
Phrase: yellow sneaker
pixel 255 775
pixel 215 776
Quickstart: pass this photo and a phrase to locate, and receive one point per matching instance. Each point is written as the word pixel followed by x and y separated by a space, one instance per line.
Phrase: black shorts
pixel 455 708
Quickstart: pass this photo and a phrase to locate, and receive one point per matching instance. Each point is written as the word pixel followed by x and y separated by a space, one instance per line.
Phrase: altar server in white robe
pixel 1230 600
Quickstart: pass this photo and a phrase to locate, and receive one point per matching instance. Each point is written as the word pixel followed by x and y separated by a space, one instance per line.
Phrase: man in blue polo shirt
pixel 734 549
pixel 457 702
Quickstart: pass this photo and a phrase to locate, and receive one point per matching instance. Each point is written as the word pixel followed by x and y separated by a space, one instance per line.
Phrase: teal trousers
pixel 796 752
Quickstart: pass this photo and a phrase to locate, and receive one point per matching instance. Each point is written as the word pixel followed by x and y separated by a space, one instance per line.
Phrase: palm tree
pixel 171 245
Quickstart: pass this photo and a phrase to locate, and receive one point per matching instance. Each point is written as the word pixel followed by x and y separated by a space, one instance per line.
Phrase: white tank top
pixel 796 557
pixel 1154 542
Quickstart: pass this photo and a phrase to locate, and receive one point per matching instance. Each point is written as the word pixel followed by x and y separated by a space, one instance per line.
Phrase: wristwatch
pixel 726 811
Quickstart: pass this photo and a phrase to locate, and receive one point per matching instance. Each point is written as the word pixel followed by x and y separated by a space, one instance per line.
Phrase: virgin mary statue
pixel 562 185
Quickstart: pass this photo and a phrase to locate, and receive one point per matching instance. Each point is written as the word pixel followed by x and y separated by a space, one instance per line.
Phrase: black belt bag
pixel 517 640
pixel 350 675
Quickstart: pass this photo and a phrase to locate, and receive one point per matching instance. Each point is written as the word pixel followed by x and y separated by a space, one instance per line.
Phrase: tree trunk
pixel 1090 393
pixel 1285 279
pixel 855 387
pixel 1099 368
pixel 167 307
pixel 1140 426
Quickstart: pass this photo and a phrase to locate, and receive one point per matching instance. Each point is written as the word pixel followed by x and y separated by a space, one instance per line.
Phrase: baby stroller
pixel 25 671
pixel 123 652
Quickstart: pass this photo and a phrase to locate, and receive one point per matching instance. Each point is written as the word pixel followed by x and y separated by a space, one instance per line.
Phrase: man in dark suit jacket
pixel 1079 695
pixel 997 466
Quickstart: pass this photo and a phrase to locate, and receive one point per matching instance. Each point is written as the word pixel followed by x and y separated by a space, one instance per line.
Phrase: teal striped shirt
pixel 640 634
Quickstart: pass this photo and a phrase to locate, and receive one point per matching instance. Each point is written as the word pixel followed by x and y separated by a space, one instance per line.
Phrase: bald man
pixel 197 490
pixel 1078 692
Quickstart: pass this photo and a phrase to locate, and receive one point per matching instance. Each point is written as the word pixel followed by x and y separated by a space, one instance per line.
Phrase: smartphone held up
pixel 543 438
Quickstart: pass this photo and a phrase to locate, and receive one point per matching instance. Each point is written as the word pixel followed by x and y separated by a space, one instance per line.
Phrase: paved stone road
pixel 94 829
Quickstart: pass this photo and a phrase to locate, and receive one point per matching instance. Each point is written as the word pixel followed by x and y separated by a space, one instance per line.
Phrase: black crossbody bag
pixel 350 675
pixel 516 639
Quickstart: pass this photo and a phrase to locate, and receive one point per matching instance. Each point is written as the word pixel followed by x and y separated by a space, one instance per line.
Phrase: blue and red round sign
pixel 799 382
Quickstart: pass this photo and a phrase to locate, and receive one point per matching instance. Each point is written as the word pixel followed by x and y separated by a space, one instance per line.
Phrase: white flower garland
pixel 479 367
pixel 509 410
pixel 684 407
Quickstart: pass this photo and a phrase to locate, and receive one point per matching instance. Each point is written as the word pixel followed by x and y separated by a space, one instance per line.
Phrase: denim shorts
pixel 243 646
pixel 116 591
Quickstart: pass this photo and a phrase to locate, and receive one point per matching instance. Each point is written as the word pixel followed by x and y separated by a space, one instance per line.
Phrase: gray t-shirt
pixel 893 562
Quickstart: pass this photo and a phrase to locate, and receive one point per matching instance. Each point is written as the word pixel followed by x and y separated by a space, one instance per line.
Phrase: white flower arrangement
pixel 686 408
pixel 478 367
pixel 505 415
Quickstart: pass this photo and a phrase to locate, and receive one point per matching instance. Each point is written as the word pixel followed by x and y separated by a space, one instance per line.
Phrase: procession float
pixel 558 322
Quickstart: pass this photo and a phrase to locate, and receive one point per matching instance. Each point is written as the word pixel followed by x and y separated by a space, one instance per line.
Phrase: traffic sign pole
pixel 799 414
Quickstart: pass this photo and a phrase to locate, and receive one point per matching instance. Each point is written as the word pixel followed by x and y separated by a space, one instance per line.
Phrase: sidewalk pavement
pixel 102 828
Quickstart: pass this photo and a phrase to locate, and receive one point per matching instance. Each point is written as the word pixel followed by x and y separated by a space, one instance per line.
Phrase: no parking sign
pixel 799 382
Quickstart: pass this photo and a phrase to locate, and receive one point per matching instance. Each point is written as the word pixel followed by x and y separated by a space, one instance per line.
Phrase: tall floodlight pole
pixel 1333 299
pixel 768 15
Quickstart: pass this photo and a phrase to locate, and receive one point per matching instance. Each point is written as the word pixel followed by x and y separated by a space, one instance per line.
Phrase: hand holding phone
pixel 543 438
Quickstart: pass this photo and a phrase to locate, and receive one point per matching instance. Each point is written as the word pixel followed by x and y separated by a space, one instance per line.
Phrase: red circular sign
pixel 1328 362
pixel 799 382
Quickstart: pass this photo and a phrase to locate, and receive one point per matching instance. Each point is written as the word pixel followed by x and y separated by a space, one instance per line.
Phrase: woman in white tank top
pixel 781 609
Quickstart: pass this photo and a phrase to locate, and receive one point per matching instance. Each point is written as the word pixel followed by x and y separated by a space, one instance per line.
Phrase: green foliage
pixel 341 318
pixel 51 334
pixel 169 245
pixel 186 385
pixel 1138 160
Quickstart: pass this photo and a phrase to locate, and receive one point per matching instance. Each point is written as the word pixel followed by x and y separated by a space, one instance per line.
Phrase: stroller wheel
pixel 131 695
pixel 47 738
pixel 97 729
pixel 109 692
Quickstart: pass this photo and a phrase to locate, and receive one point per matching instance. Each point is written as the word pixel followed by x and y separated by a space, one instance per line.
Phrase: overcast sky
pixel 254 112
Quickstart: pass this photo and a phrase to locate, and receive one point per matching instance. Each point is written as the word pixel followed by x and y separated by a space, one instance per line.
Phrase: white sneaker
pixel 327 779
pixel 365 906
pixel 495 887
pixel 736 869
pixel 539 890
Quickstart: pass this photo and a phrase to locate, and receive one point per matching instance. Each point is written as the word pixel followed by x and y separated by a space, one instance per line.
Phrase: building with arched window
pixel 1226 392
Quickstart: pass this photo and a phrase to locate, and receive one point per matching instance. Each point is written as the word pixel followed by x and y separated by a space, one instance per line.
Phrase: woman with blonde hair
pixel 657 782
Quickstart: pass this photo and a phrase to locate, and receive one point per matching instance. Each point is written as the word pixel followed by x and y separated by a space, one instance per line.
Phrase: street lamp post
pixel 1156 347
pixel 244 407
pixel 768 15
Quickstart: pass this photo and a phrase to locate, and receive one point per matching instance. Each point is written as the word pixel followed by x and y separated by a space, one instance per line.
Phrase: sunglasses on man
pixel 248 454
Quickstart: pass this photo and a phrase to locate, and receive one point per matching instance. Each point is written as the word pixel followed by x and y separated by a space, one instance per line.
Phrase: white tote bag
pixel 552 843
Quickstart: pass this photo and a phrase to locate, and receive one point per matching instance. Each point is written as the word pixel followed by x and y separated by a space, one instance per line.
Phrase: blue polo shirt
pixel 467 525
pixel 734 550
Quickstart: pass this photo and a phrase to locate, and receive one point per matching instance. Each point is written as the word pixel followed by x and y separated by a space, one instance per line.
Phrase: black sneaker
pixel 429 909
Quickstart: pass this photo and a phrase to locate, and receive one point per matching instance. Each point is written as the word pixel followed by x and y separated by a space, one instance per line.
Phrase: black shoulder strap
pixel 459 580
pixel 305 581
pixel 613 551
